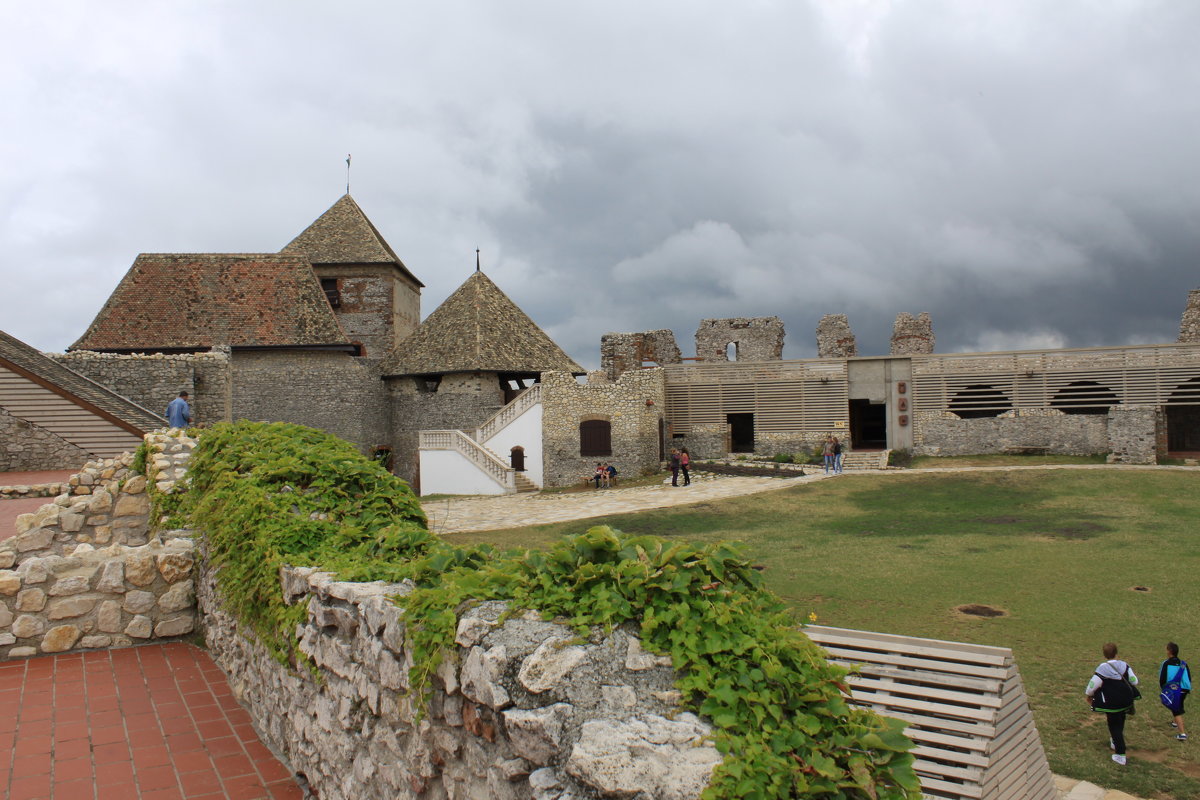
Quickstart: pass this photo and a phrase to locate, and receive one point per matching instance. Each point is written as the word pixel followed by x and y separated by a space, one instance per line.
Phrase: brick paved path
pixel 139 723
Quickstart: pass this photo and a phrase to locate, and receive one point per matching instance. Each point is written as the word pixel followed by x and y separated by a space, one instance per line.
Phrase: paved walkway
pixel 157 722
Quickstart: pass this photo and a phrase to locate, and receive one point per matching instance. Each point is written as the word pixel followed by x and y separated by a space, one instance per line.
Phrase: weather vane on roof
pixel 347 173
pixel 477 259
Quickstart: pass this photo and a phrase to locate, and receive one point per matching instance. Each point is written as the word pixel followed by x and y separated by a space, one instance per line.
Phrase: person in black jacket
pixel 1170 671
pixel 1110 691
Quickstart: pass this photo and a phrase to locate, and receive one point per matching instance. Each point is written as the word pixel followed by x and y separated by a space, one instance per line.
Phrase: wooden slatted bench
pixel 965 707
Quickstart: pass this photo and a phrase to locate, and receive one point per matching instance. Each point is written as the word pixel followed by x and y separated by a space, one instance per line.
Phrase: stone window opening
pixel 595 438
pixel 980 400
pixel 333 292
pixel 1084 397
pixel 731 351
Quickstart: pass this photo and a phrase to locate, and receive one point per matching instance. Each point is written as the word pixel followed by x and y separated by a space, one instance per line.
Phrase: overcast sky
pixel 1027 172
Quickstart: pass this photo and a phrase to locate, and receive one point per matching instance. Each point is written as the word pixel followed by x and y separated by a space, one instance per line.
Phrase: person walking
pixel 827 453
pixel 179 413
pixel 1175 681
pixel 674 467
pixel 1111 692
pixel 685 461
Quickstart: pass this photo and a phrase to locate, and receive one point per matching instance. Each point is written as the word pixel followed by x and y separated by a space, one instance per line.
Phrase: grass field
pixel 1059 550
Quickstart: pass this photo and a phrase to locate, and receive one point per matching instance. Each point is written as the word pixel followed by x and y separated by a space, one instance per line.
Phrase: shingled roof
pixel 192 301
pixel 477 329
pixel 344 235
pixel 25 360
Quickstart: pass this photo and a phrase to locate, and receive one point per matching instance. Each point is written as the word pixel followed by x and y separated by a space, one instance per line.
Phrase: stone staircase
pixel 524 484
pixel 865 459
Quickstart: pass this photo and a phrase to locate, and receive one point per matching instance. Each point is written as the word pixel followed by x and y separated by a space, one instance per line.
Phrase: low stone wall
pixel 1134 434
pixel 944 433
pixel 33 490
pixel 524 709
pixel 27 447
pixel 83 571
pixel 704 441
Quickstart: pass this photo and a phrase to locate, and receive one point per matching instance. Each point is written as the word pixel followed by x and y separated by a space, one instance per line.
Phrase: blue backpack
pixel 1172 692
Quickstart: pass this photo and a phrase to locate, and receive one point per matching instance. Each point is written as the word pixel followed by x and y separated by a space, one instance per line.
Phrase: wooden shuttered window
pixel 595 438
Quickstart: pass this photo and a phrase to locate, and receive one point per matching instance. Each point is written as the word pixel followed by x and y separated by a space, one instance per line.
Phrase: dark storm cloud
pixel 1024 171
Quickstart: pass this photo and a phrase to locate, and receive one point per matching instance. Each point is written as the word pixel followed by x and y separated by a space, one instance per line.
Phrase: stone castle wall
pixel 523 709
pixel 944 433
pixel 329 390
pixel 376 309
pixel 1136 434
pixel 834 337
pixel 912 335
pixel 27 447
pixel 622 352
pixel 756 338
pixel 623 403
pixel 152 381
pixel 84 572
pixel 1189 324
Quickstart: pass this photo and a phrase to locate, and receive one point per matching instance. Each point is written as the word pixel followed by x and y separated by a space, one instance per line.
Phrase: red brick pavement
pixel 42 476
pixel 139 723
pixel 13 508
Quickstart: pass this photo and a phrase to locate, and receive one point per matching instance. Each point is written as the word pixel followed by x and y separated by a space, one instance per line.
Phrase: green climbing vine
pixel 273 494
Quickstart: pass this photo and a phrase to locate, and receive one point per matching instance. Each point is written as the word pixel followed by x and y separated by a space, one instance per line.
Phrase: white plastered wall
pixel 449 472
pixel 525 431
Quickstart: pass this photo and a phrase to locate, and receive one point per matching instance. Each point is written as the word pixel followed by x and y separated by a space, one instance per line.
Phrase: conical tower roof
pixel 344 235
pixel 477 329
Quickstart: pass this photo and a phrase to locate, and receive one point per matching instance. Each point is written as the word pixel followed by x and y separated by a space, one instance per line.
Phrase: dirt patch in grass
pixel 980 610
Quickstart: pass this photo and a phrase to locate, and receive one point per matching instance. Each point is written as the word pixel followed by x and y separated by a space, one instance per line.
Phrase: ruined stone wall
pixel 1134 434
pixel 83 572
pixel 332 391
pixel 623 403
pixel 27 447
pixel 912 335
pixel 704 441
pixel 1189 324
pixel 621 352
pixel 152 381
pixel 943 433
pixel 757 338
pixel 523 709
pixel 459 402
pixel 834 337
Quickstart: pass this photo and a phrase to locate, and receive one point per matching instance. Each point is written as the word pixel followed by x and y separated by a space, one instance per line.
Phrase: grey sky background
pixel 1025 171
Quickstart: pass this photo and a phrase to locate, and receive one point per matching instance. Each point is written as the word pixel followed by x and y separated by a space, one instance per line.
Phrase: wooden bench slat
pixel 953 651
pixel 897 687
pixel 848 655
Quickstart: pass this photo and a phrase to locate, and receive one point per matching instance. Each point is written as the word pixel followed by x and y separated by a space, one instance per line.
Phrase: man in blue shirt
pixel 179 413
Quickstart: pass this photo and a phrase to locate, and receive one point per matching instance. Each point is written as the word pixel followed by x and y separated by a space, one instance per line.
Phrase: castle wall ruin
pixel 622 352
pixel 912 335
pixel 834 337
pixel 753 338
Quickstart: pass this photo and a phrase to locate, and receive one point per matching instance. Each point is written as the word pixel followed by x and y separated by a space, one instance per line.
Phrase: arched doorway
pixel 516 458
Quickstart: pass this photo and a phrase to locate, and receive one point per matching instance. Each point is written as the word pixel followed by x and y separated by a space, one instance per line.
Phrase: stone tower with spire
pixel 376 298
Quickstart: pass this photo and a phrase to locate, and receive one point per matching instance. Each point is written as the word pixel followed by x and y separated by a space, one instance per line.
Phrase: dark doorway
pixel 662 439
pixel 517 458
pixel 868 425
pixel 1183 429
pixel 741 432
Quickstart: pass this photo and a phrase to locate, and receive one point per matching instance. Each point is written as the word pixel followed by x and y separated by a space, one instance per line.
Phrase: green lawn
pixel 1060 551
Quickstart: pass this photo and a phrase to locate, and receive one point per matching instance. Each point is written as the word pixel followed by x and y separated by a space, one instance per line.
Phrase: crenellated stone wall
pixel 27 447
pixel 522 709
pixel 153 380
pixel 632 405
pixel 84 571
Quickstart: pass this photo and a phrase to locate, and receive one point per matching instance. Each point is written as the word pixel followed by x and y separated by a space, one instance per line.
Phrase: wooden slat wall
pixel 782 395
pixel 965 707
pixel 1152 375
pixel 38 405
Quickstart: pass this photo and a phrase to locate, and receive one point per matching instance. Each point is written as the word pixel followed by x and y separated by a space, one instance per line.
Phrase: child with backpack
pixel 1111 691
pixel 1175 680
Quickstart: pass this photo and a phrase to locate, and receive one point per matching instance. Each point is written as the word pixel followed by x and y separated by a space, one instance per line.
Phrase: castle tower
pixel 912 335
pixel 375 297
pixel 1189 325
pixel 834 337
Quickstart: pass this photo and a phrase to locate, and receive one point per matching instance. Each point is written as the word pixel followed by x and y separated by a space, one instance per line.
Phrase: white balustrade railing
pixel 520 404
pixel 478 455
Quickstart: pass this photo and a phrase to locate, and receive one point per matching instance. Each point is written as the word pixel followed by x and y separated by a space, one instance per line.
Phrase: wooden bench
pixel 965 707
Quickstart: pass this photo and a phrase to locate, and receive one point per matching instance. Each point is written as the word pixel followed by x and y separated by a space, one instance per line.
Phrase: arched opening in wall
pixel 1183 418
pixel 731 351
pixel 980 400
pixel 516 458
pixel 595 437
pixel 1084 397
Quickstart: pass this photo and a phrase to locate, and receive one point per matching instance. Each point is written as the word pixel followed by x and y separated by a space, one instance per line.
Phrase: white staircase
pixel 471 447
